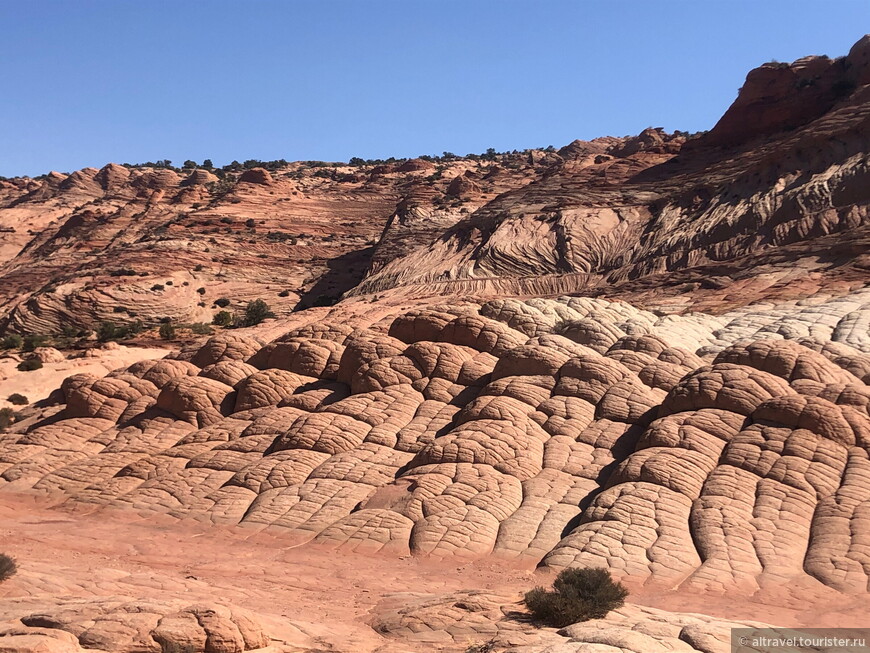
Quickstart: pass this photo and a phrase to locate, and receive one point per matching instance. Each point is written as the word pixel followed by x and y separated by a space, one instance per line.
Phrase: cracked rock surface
pixel 698 451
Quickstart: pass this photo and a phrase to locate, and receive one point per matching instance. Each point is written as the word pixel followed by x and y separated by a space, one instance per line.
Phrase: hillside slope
pixel 649 353
pixel 779 184
pixel 120 244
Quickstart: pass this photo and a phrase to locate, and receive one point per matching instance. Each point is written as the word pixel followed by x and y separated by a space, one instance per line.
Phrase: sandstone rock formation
pixel 771 204
pixel 126 625
pixel 453 620
pixel 565 432
pixel 648 353
pixel 256 176
pixel 766 205
pixel 125 244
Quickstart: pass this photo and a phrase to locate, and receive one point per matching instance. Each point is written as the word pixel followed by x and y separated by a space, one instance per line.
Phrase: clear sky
pixel 86 82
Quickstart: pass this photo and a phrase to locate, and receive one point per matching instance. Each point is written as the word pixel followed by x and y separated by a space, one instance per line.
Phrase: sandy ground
pixel 318 597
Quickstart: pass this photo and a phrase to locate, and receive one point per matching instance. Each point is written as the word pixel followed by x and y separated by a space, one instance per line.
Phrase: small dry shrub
pixel 30 364
pixel 7 567
pixel 578 595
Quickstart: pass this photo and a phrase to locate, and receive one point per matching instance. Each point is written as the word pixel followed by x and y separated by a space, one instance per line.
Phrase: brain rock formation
pixel 699 450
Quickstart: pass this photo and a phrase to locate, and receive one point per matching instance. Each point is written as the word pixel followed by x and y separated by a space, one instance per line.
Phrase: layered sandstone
pixel 564 432
pixel 122 245
pixel 650 354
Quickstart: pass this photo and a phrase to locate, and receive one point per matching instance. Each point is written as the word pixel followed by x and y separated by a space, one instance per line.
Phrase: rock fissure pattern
pixel 703 451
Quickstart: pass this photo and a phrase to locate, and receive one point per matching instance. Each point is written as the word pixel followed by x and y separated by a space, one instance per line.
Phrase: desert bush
pixel 7 418
pixel 17 399
pixel 201 329
pixel 107 331
pixel 167 331
pixel 12 341
pixel 201 291
pixel 578 595
pixel 223 302
pixel 123 272
pixel 157 287
pixel 198 268
pixel 255 312
pixel 7 567
pixel 110 331
pixel 222 318
pixel 284 293
pixel 34 340
pixel 30 364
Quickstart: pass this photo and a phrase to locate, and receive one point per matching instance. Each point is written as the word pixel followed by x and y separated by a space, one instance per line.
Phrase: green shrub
pixel 17 399
pixel 255 312
pixel 578 595
pixel 222 318
pixel 107 331
pixel 12 341
pixel 7 418
pixel 110 331
pixel 223 302
pixel 30 364
pixel 33 341
pixel 201 329
pixel 7 567
pixel 167 331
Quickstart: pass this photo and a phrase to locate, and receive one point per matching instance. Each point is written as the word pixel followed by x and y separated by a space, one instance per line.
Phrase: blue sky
pixel 86 82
